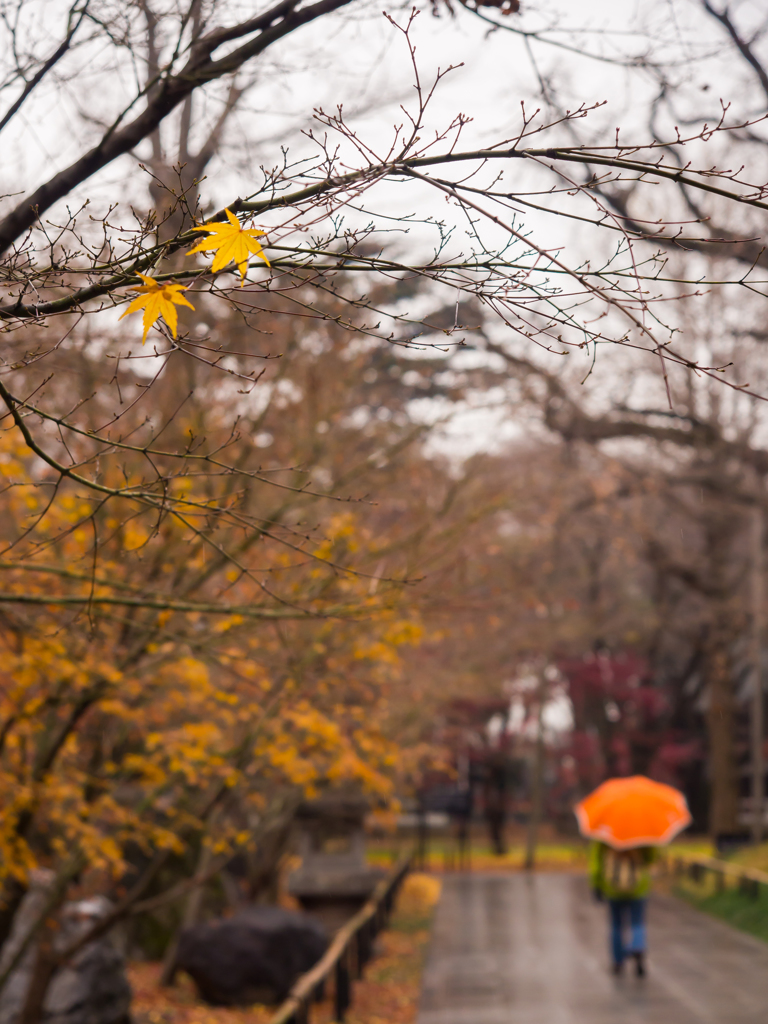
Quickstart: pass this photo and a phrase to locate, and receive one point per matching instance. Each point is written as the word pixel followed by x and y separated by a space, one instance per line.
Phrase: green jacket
pixel 621 874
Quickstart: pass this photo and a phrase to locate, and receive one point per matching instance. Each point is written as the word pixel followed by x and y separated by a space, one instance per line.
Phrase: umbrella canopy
pixel 635 811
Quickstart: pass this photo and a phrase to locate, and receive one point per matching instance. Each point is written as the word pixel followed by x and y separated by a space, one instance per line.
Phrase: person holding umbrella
pixel 623 878
pixel 627 819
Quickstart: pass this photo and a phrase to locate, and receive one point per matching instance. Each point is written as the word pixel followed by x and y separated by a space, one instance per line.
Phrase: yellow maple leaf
pixel 158 299
pixel 231 243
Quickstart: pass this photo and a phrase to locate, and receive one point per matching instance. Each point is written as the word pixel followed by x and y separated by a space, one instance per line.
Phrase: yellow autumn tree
pixel 177 678
pixel 143 724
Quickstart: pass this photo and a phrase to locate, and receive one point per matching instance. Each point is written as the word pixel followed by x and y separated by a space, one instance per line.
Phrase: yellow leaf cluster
pixel 158 299
pixel 231 243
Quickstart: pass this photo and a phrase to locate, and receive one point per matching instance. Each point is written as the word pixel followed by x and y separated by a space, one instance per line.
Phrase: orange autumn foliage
pixel 123 723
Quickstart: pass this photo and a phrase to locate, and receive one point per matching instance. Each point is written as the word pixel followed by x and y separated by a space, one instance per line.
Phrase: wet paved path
pixel 508 949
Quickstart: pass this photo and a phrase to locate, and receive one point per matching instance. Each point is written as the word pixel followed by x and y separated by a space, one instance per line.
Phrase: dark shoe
pixel 639 965
pixel 617 968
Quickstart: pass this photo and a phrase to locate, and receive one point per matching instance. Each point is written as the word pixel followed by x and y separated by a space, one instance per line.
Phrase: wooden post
pixel 340 957
pixel 758 766
pixel 342 993
pixel 422 854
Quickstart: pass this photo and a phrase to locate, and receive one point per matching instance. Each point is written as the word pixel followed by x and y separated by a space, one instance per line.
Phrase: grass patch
pixel 559 855
pixel 442 856
pixel 752 857
pixel 731 905
pixel 701 847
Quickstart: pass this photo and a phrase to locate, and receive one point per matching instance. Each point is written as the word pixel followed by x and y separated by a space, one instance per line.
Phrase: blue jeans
pixel 623 912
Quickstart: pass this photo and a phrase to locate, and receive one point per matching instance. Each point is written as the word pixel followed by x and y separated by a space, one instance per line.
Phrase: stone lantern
pixel 334 880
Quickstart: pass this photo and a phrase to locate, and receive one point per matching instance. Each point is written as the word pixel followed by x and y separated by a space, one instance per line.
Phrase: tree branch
pixel 50 63
pixel 274 24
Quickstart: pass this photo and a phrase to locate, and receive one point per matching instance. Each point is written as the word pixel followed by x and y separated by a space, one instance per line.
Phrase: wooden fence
pixel 697 868
pixel 345 958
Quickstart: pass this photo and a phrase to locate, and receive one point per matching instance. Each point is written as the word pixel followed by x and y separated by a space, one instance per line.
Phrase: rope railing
pixel 696 867
pixel 345 958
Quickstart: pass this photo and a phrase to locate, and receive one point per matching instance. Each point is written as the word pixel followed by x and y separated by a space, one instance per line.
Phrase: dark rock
pixel 91 989
pixel 255 956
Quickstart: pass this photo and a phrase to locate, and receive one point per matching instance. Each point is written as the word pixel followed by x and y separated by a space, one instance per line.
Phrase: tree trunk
pixel 42 975
pixel 191 915
pixel 724 793
pixel 11 895
pixel 537 783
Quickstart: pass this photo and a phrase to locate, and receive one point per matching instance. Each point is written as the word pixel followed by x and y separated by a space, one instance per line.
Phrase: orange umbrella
pixel 635 811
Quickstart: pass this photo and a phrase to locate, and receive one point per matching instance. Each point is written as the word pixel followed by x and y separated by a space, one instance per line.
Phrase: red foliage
pixel 622 722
